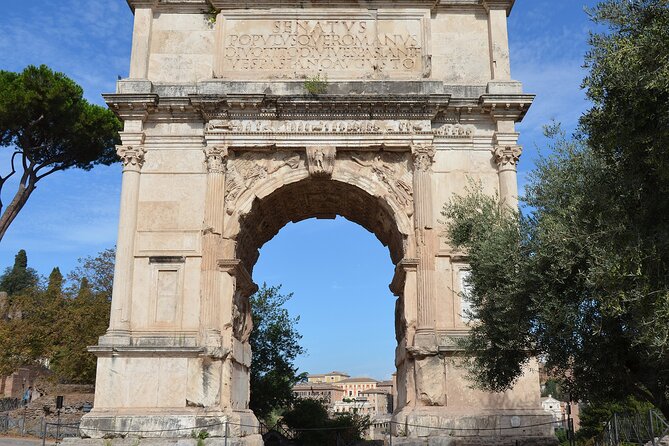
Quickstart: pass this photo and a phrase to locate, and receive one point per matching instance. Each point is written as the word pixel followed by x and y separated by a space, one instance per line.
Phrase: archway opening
pixel 322 199
pixel 341 274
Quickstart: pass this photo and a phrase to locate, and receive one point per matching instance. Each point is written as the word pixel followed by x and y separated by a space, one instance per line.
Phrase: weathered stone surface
pixel 255 440
pixel 270 112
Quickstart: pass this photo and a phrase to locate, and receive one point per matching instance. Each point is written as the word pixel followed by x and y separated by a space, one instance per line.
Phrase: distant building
pixel 327 393
pixel 343 394
pixel 331 377
pixel 553 406
pixel 353 386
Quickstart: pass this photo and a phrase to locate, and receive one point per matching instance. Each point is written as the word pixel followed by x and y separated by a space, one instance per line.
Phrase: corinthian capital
pixel 216 157
pixel 131 156
pixel 423 156
pixel 505 155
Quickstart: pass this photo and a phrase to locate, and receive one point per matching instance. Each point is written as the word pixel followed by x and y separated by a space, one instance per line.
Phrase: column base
pixel 438 426
pixel 114 424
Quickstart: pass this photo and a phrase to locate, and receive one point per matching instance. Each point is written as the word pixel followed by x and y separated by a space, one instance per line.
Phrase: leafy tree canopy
pixel 583 280
pixel 275 345
pixel 18 277
pixel 49 126
pixel 55 323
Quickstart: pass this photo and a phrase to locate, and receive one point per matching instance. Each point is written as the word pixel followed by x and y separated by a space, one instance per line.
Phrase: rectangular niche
pixel 166 300
pixel 464 291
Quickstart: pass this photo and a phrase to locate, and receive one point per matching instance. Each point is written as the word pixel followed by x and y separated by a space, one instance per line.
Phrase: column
pixel 141 42
pixel 423 157
pixel 214 209
pixel 498 39
pixel 132 157
pixel 506 153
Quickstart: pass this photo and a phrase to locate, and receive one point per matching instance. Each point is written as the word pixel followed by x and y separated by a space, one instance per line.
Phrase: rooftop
pixel 357 380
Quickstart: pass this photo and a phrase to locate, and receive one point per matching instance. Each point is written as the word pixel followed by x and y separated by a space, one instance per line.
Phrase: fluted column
pixel 423 157
pixel 214 210
pixel 507 157
pixel 132 157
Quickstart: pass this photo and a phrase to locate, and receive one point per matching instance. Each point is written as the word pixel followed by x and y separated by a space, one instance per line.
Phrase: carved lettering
pixel 310 46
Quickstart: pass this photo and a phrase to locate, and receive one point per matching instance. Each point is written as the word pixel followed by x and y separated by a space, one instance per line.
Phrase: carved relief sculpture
pixel 246 169
pixel 386 167
pixel 321 160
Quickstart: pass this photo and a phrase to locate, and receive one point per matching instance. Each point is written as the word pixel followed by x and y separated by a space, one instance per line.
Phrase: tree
pixel 87 319
pixel 19 277
pixel 98 271
pixel 49 127
pixel 55 323
pixel 582 280
pixel 275 345
pixel 313 427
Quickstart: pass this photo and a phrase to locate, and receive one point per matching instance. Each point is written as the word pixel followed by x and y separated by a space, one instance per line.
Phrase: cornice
pixel 506 106
pixel 204 6
pixel 321 107
pixel 131 106
pixel 244 106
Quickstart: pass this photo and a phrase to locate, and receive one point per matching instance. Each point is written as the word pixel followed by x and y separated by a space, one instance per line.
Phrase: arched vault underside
pixel 316 198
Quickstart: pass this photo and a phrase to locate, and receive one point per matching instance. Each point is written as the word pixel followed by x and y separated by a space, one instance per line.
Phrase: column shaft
pixel 423 157
pixel 133 159
pixel 213 228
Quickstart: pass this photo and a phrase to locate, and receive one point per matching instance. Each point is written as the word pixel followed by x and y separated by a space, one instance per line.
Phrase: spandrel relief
pixel 245 169
pixel 391 169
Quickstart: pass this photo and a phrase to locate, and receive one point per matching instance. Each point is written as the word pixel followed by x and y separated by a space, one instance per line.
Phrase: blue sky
pixel 338 271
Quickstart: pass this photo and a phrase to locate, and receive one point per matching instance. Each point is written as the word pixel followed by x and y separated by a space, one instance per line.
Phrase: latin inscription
pixel 313 46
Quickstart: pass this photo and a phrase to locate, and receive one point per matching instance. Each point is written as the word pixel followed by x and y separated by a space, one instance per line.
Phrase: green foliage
pixel 200 436
pixel 19 277
pixel 49 126
pixel 275 345
pixel 593 417
pixel 316 85
pixel 309 419
pixel 98 271
pixel 57 324
pixel 583 280
pixel 554 389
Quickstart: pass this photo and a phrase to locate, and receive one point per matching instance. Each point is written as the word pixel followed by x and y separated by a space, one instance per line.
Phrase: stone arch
pixel 292 195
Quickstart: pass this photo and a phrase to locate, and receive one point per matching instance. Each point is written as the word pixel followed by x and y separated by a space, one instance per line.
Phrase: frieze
pixel 245 169
pixel 338 127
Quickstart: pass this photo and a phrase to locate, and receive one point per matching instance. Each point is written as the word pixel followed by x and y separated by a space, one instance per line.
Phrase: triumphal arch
pixel 241 116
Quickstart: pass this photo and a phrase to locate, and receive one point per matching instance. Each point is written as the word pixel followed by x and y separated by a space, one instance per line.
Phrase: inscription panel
pixel 301 46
